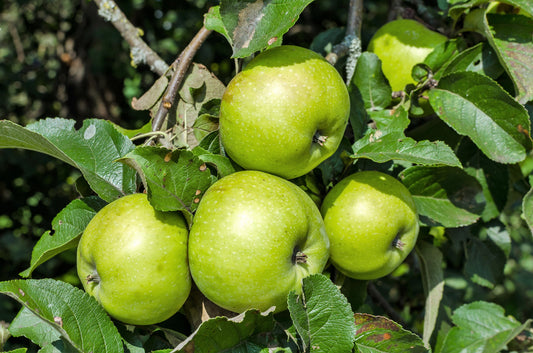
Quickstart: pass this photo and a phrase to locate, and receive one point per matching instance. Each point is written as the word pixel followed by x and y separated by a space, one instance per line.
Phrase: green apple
pixel 400 45
pixel 372 224
pixel 284 113
pixel 254 237
pixel 133 260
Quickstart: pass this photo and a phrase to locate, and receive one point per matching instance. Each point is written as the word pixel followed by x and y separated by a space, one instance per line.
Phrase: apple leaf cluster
pixel 458 139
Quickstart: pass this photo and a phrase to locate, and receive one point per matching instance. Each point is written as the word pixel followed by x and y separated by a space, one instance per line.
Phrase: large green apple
pixel 254 237
pixel 133 260
pixel 284 113
pixel 372 224
pixel 401 44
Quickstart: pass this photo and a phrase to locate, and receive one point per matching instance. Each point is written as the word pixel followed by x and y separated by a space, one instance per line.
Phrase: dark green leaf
pixel 254 25
pixel 444 196
pixel 377 334
pixel 322 316
pixel 433 281
pixel 443 54
pixel 485 262
pixel 67 227
pixel 481 327
pixel 371 83
pixel 75 315
pixel 93 149
pixel 510 36
pixel 175 180
pixel 476 106
pixel 222 164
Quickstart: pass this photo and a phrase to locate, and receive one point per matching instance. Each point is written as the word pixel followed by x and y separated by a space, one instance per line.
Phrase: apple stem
pixel 318 138
pixel 93 278
pixel 300 258
pixel 397 243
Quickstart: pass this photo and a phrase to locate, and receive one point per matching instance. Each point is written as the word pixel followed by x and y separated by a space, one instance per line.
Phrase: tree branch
pixel 381 301
pixel 353 31
pixel 140 51
pixel 180 66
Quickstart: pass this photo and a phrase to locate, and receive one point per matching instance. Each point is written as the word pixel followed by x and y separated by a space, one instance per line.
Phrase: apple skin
pixel 400 45
pixel 285 113
pixel 246 233
pixel 133 260
pixel 372 224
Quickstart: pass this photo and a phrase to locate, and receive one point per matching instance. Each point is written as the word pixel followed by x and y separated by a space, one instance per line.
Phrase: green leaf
pixel 527 209
pixel 93 149
pixel 213 21
pixel 371 83
pixel 443 53
pixel 39 332
pixel 476 106
pixel 67 227
pixel 444 196
pixel 480 58
pixel 481 327
pixel 222 164
pixel 395 146
pixel 510 36
pixel 254 25
pixel 247 332
pixel 75 315
pixel 175 180
pixel 322 316
pixel 376 334
pixel 433 282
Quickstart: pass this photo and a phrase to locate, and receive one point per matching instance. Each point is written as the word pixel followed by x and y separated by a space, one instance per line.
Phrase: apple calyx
pixel 299 257
pixel 397 243
pixel 93 278
pixel 318 138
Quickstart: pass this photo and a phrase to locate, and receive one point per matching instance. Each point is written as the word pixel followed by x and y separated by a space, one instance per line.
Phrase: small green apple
pixel 254 237
pixel 285 112
pixel 372 224
pixel 400 45
pixel 133 260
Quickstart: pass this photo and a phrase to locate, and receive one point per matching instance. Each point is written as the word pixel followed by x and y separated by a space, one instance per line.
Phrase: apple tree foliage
pixel 467 164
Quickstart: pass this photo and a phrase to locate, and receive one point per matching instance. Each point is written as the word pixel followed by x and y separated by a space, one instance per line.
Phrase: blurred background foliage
pixel 59 58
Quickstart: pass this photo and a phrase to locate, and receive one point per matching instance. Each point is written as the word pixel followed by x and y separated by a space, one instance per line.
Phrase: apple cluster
pixel 255 234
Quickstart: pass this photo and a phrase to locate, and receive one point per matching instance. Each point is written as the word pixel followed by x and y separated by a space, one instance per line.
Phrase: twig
pixel 353 31
pixel 140 51
pixel 180 66
pixel 376 295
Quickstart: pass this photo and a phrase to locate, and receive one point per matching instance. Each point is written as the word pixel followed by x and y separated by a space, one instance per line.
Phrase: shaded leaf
pixel 476 106
pixel 254 25
pixel 485 262
pixel 527 209
pixel 433 281
pixel 247 332
pixel 481 327
pixel 75 315
pixel 480 58
pixel 93 149
pixel 67 227
pixel 377 334
pixel 39 332
pixel 322 316
pixel 444 196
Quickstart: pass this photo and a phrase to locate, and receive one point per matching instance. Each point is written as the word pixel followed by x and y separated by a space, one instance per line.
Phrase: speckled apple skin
pixel 243 238
pixel 140 256
pixel 271 111
pixel 400 45
pixel 363 214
